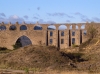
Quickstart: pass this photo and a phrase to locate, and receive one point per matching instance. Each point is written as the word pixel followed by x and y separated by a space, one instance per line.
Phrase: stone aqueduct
pixel 74 34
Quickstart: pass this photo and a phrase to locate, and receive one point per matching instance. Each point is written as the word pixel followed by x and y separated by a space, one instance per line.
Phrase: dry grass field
pixel 48 60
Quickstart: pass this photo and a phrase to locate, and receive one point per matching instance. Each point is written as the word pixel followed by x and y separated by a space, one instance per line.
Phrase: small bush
pixel 16 46
pixel 26 70
pixel 75 45
pixel 3 48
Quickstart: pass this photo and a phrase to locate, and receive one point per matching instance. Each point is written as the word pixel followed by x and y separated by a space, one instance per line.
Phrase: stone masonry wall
pixel 42 37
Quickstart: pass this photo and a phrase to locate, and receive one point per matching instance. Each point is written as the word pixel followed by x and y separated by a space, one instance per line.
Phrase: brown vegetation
pixel 91 51
pixel 34 57
pixel 49 59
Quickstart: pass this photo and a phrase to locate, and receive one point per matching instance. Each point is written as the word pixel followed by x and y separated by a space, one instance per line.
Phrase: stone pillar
pixel 68 26
pixel 79 34
pixel 54 37
pixel 79 26
pixel 64 39
pixel 73 26
pixel 17 26
pixel 77 37
pixel 52 40
pixel 57 35
pixel 8 26
pixel 69 34
pixel 44 28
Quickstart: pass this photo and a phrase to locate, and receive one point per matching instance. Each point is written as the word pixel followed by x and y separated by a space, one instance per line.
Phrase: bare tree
pixel 92 32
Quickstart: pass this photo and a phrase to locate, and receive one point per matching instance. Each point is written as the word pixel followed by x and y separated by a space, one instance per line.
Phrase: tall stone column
pixel 69 34
pixel 44 28
pixel 17 26
pixel 57 35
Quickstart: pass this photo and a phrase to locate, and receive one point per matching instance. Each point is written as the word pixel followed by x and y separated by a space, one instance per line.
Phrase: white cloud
pixel 14 17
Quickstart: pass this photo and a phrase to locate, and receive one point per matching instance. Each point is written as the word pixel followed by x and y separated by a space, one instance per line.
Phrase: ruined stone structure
pixel 73 34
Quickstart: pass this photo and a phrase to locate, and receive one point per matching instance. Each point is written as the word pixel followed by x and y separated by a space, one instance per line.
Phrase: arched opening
pixel 2 27
pixel 84 32
pixel 83 26
pixel 62 27
pixel 37 28
pixel 73 33
pixel 12 27
pixel 70 27
pixel 76 27
pixel 51 33
pixel 62 41
pixel 73 40
pixel 62 33
pixel 51 41
pixel 22 41
pixel 51 27
pixel 23 27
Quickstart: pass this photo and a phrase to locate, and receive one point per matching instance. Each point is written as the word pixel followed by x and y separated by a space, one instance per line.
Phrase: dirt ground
pixel 10 71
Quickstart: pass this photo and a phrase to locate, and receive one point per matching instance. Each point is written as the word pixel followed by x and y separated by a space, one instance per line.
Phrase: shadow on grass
pixel 75 57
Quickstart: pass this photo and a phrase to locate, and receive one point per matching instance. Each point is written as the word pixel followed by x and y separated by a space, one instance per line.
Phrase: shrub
pixel 16 46
pixel 75 45
pixel 92 32
pixel 26 70
pixel 3 48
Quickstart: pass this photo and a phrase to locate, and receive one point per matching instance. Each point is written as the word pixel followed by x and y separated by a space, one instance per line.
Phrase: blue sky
pixel 49 11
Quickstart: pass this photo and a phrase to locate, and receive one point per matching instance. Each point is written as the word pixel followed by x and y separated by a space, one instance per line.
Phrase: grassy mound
pixel 92 54
pixel 34 57
pixel 88 43
pixel 44 58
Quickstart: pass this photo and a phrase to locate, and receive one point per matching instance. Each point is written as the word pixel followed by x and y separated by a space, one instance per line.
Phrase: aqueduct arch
pixel 43 35
pixel 23 41
pixel 15 36
pixel 23 27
